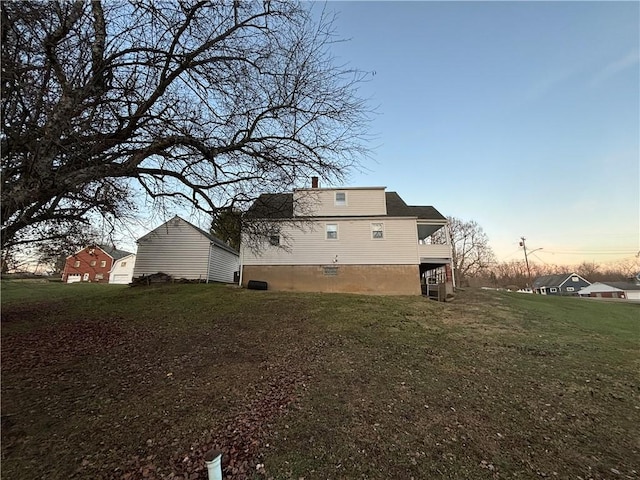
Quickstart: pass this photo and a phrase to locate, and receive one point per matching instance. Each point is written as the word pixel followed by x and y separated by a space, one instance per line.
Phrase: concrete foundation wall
pixel 370 279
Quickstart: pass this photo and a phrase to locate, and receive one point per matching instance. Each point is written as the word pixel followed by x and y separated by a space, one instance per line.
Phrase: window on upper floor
pixel 341 199
pixel 93 263
pixel 76 263
pixel 377 231
pixel 274 240
pixel 123 264
pixel 575 278
pixel 103 263
pixel 332 231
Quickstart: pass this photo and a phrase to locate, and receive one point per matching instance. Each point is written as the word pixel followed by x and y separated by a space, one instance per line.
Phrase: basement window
pixel 330 271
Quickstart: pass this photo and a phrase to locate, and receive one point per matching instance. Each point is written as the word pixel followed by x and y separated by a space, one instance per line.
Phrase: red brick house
pixel 91 264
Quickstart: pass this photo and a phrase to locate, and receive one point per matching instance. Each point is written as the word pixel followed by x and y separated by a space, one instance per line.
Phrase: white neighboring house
pixel 628 290
pixel 122 270
pixel 355 239
pixel 182 250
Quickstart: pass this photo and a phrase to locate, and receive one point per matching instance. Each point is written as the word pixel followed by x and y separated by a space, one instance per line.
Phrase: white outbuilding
pixel 182 250
pixel 122 269
pixel 628 290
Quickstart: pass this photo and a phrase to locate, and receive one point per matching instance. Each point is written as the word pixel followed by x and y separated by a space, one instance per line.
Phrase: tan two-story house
pixel 356 239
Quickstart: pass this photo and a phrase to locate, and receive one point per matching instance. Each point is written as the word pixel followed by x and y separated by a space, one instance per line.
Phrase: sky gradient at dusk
pixel 521 116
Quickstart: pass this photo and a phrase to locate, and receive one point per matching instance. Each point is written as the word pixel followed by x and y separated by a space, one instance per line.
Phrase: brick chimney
pixel 314 182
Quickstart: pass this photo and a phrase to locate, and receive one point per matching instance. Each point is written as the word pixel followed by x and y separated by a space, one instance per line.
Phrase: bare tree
pixel 203 103
pixel 472 254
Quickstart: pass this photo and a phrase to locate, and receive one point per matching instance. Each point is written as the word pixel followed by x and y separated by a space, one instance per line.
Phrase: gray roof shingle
pixel 280 206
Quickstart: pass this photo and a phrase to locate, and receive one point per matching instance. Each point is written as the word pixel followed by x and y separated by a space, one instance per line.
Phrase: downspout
pixel 241 266
pixel 209 261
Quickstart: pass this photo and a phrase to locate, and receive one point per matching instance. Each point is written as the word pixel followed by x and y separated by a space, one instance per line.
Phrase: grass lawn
pixel 103 381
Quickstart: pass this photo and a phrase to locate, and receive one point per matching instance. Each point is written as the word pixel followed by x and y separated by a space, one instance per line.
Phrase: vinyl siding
pixel 321 202
pixel 354 245
pixel 174 248
pixel 123 274
pixel 222 265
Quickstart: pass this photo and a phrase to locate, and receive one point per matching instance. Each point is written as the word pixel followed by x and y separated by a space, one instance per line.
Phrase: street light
pixel 526 259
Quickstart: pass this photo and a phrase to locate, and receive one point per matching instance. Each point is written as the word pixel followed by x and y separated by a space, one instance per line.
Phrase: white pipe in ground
pixel 213 461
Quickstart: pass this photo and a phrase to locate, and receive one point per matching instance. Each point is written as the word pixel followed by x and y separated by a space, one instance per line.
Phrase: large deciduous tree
pixel 472 253
pixel 205 103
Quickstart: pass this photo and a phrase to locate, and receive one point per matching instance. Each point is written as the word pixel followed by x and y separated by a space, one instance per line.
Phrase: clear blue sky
pixel 521 116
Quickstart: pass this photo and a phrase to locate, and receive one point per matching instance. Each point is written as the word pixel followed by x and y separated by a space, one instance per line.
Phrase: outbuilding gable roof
pixel 213 239
pixel 623 285
pixel 114 252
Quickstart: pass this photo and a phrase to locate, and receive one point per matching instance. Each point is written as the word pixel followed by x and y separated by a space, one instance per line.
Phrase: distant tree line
pixel 514 274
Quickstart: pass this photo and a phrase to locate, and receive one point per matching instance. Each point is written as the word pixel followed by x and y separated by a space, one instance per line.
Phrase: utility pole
pixel 524 246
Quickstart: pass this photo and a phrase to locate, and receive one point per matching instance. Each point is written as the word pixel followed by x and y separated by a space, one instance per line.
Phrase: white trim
pixel 573 275
pixel 326 232
pixel 382 230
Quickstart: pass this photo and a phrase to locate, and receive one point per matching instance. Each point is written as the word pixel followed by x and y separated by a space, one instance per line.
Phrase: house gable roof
pixel 111 251
pixel 280 206
pixel 272 205
pixel 555 280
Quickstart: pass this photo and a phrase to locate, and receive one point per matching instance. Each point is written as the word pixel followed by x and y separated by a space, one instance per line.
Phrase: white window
pixel 99 276
pixel 103 263
pixel 553 289
pixel 377 231
pixel 93 263
pixel 341 199
pixel 274 240
pixel 570 289
pixel 123 264
pixel 575 279
pixel 332 231
pixel 76 263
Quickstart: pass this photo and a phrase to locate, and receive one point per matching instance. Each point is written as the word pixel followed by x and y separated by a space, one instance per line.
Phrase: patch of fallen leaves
pixel 241 441
pixel 59 343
